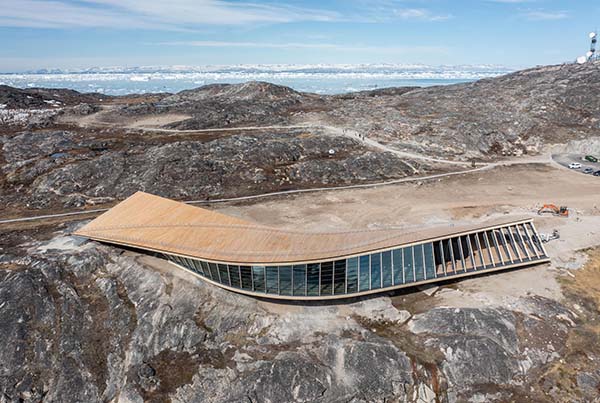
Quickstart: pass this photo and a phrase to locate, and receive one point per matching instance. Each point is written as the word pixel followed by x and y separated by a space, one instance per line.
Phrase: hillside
pixel 512 114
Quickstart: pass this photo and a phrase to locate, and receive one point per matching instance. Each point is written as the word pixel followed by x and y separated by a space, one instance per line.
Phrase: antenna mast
pixel 591 55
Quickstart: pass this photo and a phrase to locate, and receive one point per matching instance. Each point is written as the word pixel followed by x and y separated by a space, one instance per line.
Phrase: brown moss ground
pixel 582 346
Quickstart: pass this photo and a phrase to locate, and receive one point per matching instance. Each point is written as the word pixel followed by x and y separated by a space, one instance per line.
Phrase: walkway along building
pixel 286 264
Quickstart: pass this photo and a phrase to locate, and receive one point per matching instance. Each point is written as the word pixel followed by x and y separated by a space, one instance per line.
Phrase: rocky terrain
pixel 85 322
pixel 64 168
pixel 62 149
pixel 39 98
pixel 81 321
pixel 510 115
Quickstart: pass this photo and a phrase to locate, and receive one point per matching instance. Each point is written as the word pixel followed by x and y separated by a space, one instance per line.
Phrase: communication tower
pixel 591 54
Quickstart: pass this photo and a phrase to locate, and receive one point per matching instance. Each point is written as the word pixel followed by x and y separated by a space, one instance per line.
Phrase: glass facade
pixel 386 269
pixel 375 271
pixel 339 277
pixel 313 282
pixel 299 279
pixel 352 274
pixel 426 261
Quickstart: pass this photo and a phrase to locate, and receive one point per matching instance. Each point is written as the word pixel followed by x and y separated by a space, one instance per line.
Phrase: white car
pixel 574 165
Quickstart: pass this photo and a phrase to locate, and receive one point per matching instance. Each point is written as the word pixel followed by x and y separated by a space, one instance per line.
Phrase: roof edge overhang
pixel 450 233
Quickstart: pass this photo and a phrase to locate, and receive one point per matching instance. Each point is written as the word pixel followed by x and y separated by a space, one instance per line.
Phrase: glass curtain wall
pixel 488 249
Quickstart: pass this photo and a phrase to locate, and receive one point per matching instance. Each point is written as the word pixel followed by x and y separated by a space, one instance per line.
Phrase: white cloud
pixel 545 15
pixel 56 14
pixel 156 14
pixel 391 10
pixel 420 14
pixel 187 14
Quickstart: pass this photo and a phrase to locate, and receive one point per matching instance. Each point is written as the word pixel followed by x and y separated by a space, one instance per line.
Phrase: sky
pixel 77 34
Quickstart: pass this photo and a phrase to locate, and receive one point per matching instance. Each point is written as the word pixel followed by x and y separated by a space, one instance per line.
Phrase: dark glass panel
pixel 197 266
pixel 285 280
pixel 214 272
pixel 453 247
pixel 326 278
pixel 397 262
pixel 493 244
pixel 375 270
pixel 429 263
pixel 482 253
pixel 272 280
pixel 300 279
pixel 352 269
pixel 408 265
pixel 459 253
pixel 246 277
pixel 234 275
pixel 468 251
pixel 503 241
pixel 438 258
pixel 312 283
pixel 339 277
pixel 386 268
pixel 419 266
pixel 187 264
pixel 258 273
pixel 205 268
pixel 447 256
pixel 223 273
pixel 364 273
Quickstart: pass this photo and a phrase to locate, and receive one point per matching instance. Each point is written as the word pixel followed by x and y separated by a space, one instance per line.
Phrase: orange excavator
pixel 562 211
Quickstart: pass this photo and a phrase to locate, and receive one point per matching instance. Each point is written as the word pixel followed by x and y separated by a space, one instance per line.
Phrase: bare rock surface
pixel 514 114
pixel 511 115
pixel 38 98
pixel 63 167
pixel 84 322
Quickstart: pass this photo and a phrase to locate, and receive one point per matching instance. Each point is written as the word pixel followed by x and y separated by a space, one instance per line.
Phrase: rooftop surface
pixel 155 223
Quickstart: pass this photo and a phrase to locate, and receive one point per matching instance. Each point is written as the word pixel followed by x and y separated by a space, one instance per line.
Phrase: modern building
pixel 287 264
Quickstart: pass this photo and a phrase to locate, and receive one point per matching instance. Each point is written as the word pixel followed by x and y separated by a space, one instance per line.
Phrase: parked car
pixel 588 171
pixel 591 158
pixel 574 165
pixel 597 173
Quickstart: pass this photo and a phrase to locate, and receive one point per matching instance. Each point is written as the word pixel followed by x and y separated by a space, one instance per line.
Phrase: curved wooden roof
pixel 152 222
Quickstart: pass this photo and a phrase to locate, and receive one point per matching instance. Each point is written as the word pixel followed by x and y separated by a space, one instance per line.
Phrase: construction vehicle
pixel 545 238
pixel 562 211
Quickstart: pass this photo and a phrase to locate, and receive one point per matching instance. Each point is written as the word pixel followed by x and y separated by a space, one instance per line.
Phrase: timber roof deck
pixel 155 223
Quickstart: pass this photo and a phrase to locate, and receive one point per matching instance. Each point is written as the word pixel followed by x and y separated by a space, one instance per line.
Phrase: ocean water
pixel 322 79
